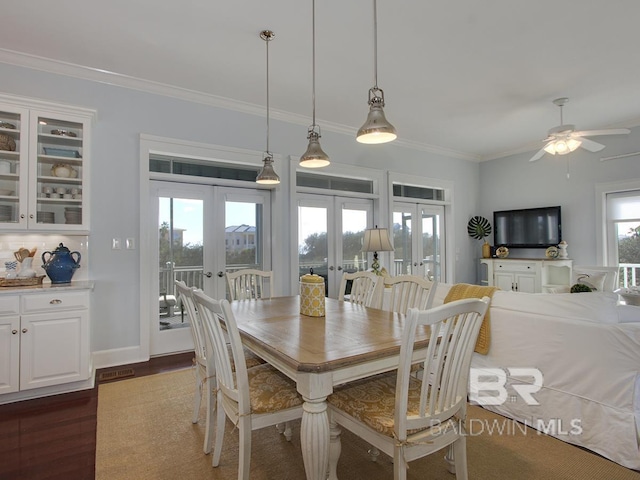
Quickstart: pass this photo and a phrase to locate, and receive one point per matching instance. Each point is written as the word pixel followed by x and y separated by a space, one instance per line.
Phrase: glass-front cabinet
pixel 44 168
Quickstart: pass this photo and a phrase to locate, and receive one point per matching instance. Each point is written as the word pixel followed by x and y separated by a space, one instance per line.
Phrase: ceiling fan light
pixel 314 157
pixel 376 128
pixel 267 175
pixel 550 148
pixel 573 144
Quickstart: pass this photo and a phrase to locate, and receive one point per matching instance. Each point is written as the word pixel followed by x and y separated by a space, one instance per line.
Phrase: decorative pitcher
pixel 60 265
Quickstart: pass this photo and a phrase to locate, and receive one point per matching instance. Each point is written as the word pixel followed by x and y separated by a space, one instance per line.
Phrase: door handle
pixel 220 274
pixel 208 274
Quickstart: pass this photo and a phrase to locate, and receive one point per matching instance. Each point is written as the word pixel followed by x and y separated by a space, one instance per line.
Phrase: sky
pixel 188 214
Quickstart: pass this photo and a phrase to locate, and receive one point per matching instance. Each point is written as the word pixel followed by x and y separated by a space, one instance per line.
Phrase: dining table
pixel 349 343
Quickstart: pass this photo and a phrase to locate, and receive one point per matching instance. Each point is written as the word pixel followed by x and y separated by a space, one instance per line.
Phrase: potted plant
pixel 479 228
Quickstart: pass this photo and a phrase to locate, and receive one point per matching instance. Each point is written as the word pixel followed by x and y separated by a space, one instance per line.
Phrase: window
pixel 623 233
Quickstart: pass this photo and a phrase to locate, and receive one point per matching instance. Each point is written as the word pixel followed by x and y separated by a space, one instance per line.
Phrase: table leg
pixel 335 448
pixel 314 438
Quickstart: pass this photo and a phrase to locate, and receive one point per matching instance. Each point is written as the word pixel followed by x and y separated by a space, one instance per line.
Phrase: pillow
pixel 595 280
pixel 628 314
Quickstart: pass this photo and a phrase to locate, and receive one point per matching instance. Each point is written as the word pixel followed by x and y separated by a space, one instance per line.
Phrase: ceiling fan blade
pixel 538 155
pixel 595 133
pixel 591 145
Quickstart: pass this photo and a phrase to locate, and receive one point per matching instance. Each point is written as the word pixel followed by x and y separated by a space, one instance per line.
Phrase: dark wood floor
pixel 55 437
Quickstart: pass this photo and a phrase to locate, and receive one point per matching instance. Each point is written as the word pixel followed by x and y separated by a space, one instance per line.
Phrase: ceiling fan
pixel 565 139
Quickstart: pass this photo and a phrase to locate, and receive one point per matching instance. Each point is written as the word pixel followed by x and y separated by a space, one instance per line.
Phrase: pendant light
pixel 267 175
pixel 376 128
pixel 314 157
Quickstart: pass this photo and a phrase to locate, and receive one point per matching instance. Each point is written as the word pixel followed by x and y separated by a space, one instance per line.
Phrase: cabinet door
pixel 525 283
pixel 59 171
pixel 9 353
pixel 14 166
pixel 54 349
pixel 504 281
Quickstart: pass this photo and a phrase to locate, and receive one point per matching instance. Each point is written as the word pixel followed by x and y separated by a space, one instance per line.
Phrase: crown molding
pixel 149 86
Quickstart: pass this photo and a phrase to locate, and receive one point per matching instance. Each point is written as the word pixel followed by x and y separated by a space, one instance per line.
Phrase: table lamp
pixel 376 240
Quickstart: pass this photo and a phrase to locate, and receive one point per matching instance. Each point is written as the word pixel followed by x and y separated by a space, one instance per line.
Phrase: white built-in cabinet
pixel 44 181
pixel 44 340
pixel 527 275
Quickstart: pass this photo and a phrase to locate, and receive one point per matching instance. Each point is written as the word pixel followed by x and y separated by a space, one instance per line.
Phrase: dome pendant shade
pixel 314 157
pixel 267 175
pixel 376 128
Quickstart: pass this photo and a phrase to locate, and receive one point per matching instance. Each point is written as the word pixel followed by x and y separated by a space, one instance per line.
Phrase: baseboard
pixel 48 391
pixel 119 356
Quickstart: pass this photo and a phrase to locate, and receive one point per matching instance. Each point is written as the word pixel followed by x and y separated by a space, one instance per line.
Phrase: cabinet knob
pixel 55 301
pixel 22 215
pixel 14 331
pixel 31 216
pixel 24 330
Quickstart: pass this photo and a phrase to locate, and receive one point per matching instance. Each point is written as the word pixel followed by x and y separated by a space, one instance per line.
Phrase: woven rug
pixel 145 433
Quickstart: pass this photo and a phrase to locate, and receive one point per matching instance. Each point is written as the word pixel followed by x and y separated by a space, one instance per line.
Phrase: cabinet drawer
pixel 516 267
pixel 54 301
pixel 9 304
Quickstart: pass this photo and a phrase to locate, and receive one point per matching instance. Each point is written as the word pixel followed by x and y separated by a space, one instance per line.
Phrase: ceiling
pixel 466 78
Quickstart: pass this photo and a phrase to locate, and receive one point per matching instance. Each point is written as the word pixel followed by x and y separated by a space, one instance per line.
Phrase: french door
pixel 418 240
pixel 203 232
pixel 330 234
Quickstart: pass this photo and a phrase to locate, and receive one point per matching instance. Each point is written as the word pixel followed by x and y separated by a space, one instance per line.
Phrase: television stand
pixel 529 275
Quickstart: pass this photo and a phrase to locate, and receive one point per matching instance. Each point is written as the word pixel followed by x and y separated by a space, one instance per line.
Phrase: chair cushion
pixel 372 401
pixel 252 359
pixel 271 391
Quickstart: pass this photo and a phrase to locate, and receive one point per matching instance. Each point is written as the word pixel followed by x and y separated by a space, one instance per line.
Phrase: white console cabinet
pixel 44 341
pixel 527 275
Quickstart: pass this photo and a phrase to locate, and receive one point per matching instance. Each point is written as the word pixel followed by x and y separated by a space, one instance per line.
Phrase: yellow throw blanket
pixel 465 290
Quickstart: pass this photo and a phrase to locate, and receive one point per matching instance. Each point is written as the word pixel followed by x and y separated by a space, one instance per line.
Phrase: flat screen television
pixel 527 228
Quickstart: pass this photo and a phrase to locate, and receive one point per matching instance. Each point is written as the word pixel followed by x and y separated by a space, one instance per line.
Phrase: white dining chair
pixel 363 287
pixel 406 417
pixel 251 398
pixel 249 283
pixel 405 292
pixel 203 369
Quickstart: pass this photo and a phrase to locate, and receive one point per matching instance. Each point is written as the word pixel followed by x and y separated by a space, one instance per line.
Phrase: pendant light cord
pixel 375 44
pixel 267 38
pixel 313 68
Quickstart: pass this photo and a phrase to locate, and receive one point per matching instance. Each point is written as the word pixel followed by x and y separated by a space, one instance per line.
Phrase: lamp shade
pixel 314 157
pixel 377 240
pixel 267 175
pixel 562 146
pixel 376 128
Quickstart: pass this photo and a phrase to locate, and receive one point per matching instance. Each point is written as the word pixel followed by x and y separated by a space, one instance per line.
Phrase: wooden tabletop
pixel 347 335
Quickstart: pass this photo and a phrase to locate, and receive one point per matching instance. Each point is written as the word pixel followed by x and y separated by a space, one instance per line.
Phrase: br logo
pixel 487 385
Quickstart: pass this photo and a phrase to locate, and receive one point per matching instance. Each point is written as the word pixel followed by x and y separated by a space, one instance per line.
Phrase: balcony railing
pixel 193 275
pixel 629 275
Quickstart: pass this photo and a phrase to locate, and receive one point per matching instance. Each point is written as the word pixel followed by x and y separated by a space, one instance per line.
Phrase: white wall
pixel 123 114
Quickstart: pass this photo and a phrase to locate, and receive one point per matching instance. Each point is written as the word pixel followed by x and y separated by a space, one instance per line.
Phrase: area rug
pixel 145 433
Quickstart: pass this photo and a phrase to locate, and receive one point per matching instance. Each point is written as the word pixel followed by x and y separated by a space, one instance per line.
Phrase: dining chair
pixel 203 369
pixel 405 292
pixel 251 398
pixel 407 417
pixel 249 283
pixel 363 286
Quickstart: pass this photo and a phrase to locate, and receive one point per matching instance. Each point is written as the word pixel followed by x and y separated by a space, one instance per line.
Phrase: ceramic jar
pixel 312 295
pixel 60 265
